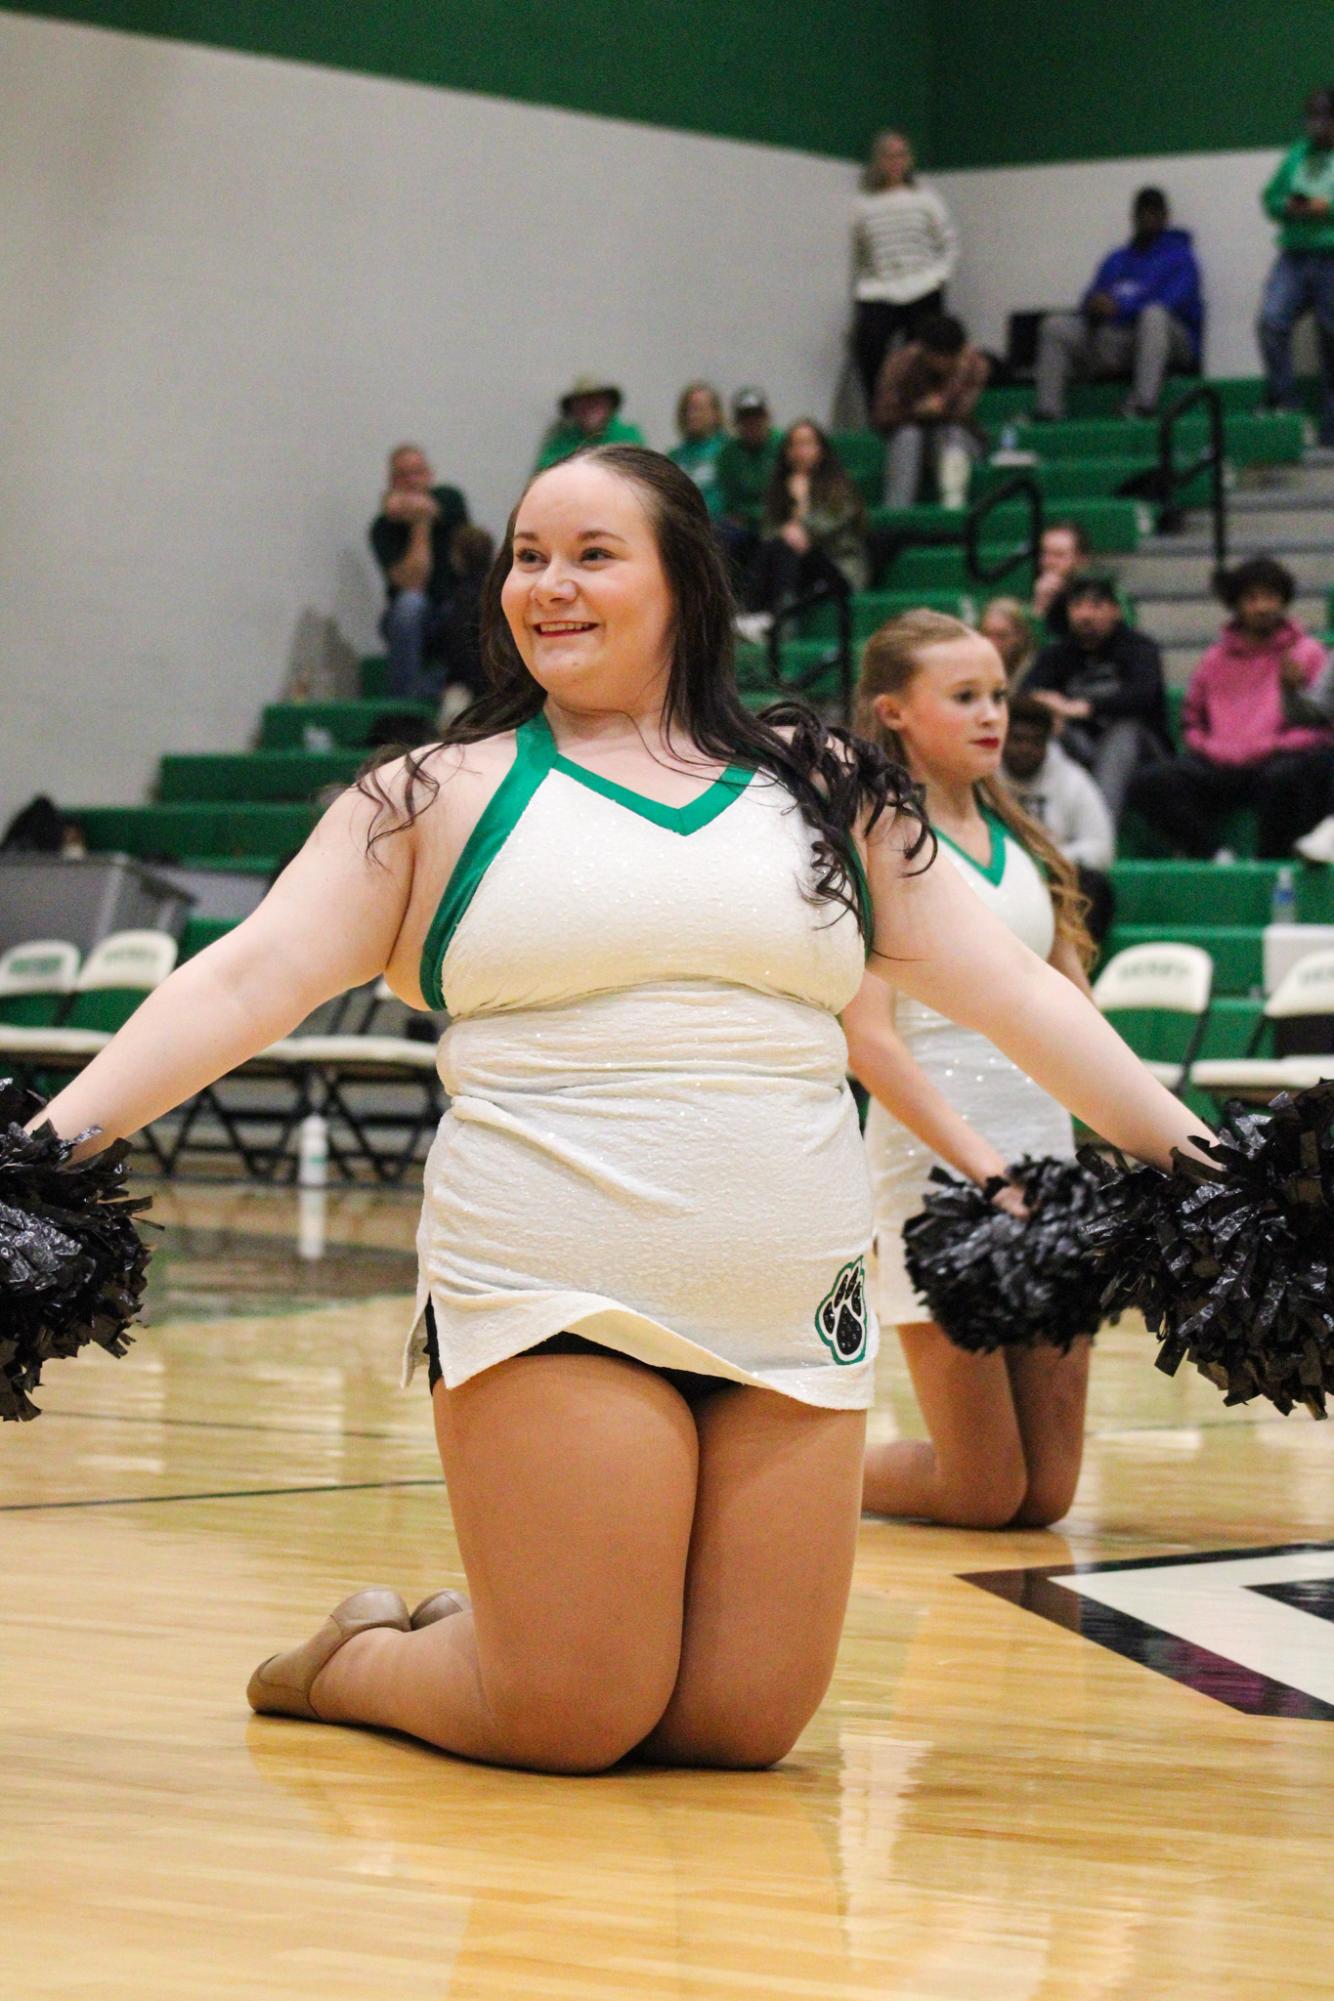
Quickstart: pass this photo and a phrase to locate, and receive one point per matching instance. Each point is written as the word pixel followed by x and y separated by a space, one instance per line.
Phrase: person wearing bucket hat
pixel 588 416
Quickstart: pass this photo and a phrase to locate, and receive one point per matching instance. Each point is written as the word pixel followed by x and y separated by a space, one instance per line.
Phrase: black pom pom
pixel 1229 1258
pixel 993 1280
pixel 72 1262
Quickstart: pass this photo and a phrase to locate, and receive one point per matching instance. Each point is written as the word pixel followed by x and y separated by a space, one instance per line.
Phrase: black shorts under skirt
pixel 688 1383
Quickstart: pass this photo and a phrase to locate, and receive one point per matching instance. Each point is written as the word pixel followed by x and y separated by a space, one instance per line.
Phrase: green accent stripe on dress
pixel 687 819
pixel 994 868
pixel 863 893
pixel 504 809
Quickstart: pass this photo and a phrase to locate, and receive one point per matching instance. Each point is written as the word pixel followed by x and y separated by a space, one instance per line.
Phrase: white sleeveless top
pixel 993 1094
pixel 650 1139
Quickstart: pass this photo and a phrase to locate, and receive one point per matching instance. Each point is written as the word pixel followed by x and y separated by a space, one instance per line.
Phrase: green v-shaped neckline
pixel 687 819
pixel 993 869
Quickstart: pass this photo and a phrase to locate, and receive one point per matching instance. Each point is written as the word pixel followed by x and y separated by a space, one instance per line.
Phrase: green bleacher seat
pixel 347 725
pixel 923 571
pixel 202 931
pixel 1065 482
pixel 863 454
pixel 1237 893
pixel 870 609
pixel 1241 395
pixel 262 776
pixel 1110 524
pixel 174 832
pixel 1268 438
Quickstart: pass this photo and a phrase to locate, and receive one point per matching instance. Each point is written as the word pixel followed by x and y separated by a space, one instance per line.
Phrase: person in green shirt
pixel 1300 198
pixel 587 417
pixel 699 419
pixel 745 467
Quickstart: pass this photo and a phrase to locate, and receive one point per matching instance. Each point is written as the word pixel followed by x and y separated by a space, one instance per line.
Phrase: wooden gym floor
pixel 1019 1789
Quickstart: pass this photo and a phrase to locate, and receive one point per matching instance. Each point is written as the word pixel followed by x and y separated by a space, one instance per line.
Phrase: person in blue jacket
pixel 1141 316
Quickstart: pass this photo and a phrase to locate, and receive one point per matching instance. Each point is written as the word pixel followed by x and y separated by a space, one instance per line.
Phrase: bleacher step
pixel 1167 894
pixel 259 776
pixel 325 726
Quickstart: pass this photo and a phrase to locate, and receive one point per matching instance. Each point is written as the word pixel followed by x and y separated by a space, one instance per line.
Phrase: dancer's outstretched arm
pixel 936 941
pixel 328 923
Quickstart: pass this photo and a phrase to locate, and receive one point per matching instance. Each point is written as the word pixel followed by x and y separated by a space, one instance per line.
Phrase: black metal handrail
pixel 840 647
pixel 1172 478
pixel 1019 484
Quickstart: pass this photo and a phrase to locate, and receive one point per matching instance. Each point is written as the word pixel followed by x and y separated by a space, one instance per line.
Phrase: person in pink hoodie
pixel 1246 742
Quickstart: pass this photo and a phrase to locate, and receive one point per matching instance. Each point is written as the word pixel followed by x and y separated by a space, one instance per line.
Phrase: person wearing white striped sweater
pixel 904 248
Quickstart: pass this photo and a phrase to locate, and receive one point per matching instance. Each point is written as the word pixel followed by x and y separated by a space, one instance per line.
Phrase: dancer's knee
pixel 577 1722
pixel 1048 1497
pixel 746 1732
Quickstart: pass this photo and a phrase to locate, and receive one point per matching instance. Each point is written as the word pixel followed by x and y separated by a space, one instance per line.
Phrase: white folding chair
pixel 36 980
pixel 318 1069
pixel 1161 979
pixel 107 989
pixel 1306 990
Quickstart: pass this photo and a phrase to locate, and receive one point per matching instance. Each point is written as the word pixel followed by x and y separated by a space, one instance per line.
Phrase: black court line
pixel 224 1424
pixel 224 1494
pixel 1166 1653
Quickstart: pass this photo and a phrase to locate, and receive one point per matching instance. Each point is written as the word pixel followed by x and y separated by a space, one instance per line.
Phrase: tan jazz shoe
pixel 280 1686
pixel 440 1606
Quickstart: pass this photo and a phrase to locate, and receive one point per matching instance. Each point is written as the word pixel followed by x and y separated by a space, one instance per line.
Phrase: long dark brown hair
pixel 834 776
pixel 891 658
pixel 831 486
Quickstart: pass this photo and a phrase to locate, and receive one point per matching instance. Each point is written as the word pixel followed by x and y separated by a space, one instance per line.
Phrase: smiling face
pixel 586 597
pixel 951 716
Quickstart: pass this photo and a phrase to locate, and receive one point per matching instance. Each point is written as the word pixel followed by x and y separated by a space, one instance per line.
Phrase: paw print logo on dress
pixel 841 1318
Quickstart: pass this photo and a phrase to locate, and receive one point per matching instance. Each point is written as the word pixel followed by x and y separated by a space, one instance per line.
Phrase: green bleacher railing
pixel 841 649
pixel 1172 478
pixel 1020 486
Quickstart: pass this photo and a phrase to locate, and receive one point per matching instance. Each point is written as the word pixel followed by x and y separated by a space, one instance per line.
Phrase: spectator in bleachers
pixel 904 248
pixel 814 527
pixel 1104 684
pixel 699 419
pixel 588 416
pixel 1060 794
pixel 1141 315
pixel 1062 553
pixel 745 467
pixel 1005 622
pixel 927 393
pixel 1242 747
pixel 1300 198
pixel 471 552
pixel 410 538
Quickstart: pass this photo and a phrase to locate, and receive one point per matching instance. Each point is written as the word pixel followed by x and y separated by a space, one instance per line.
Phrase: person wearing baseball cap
pixel 745 467
pixel 588 416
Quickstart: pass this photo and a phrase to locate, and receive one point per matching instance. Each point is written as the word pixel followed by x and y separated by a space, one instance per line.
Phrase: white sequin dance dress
pixel 650 1141
pixel 993 1094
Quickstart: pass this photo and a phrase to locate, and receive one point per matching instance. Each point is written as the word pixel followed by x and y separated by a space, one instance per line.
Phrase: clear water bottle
pixel 312 1160
pixel 1283 904
pixel 1009 437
